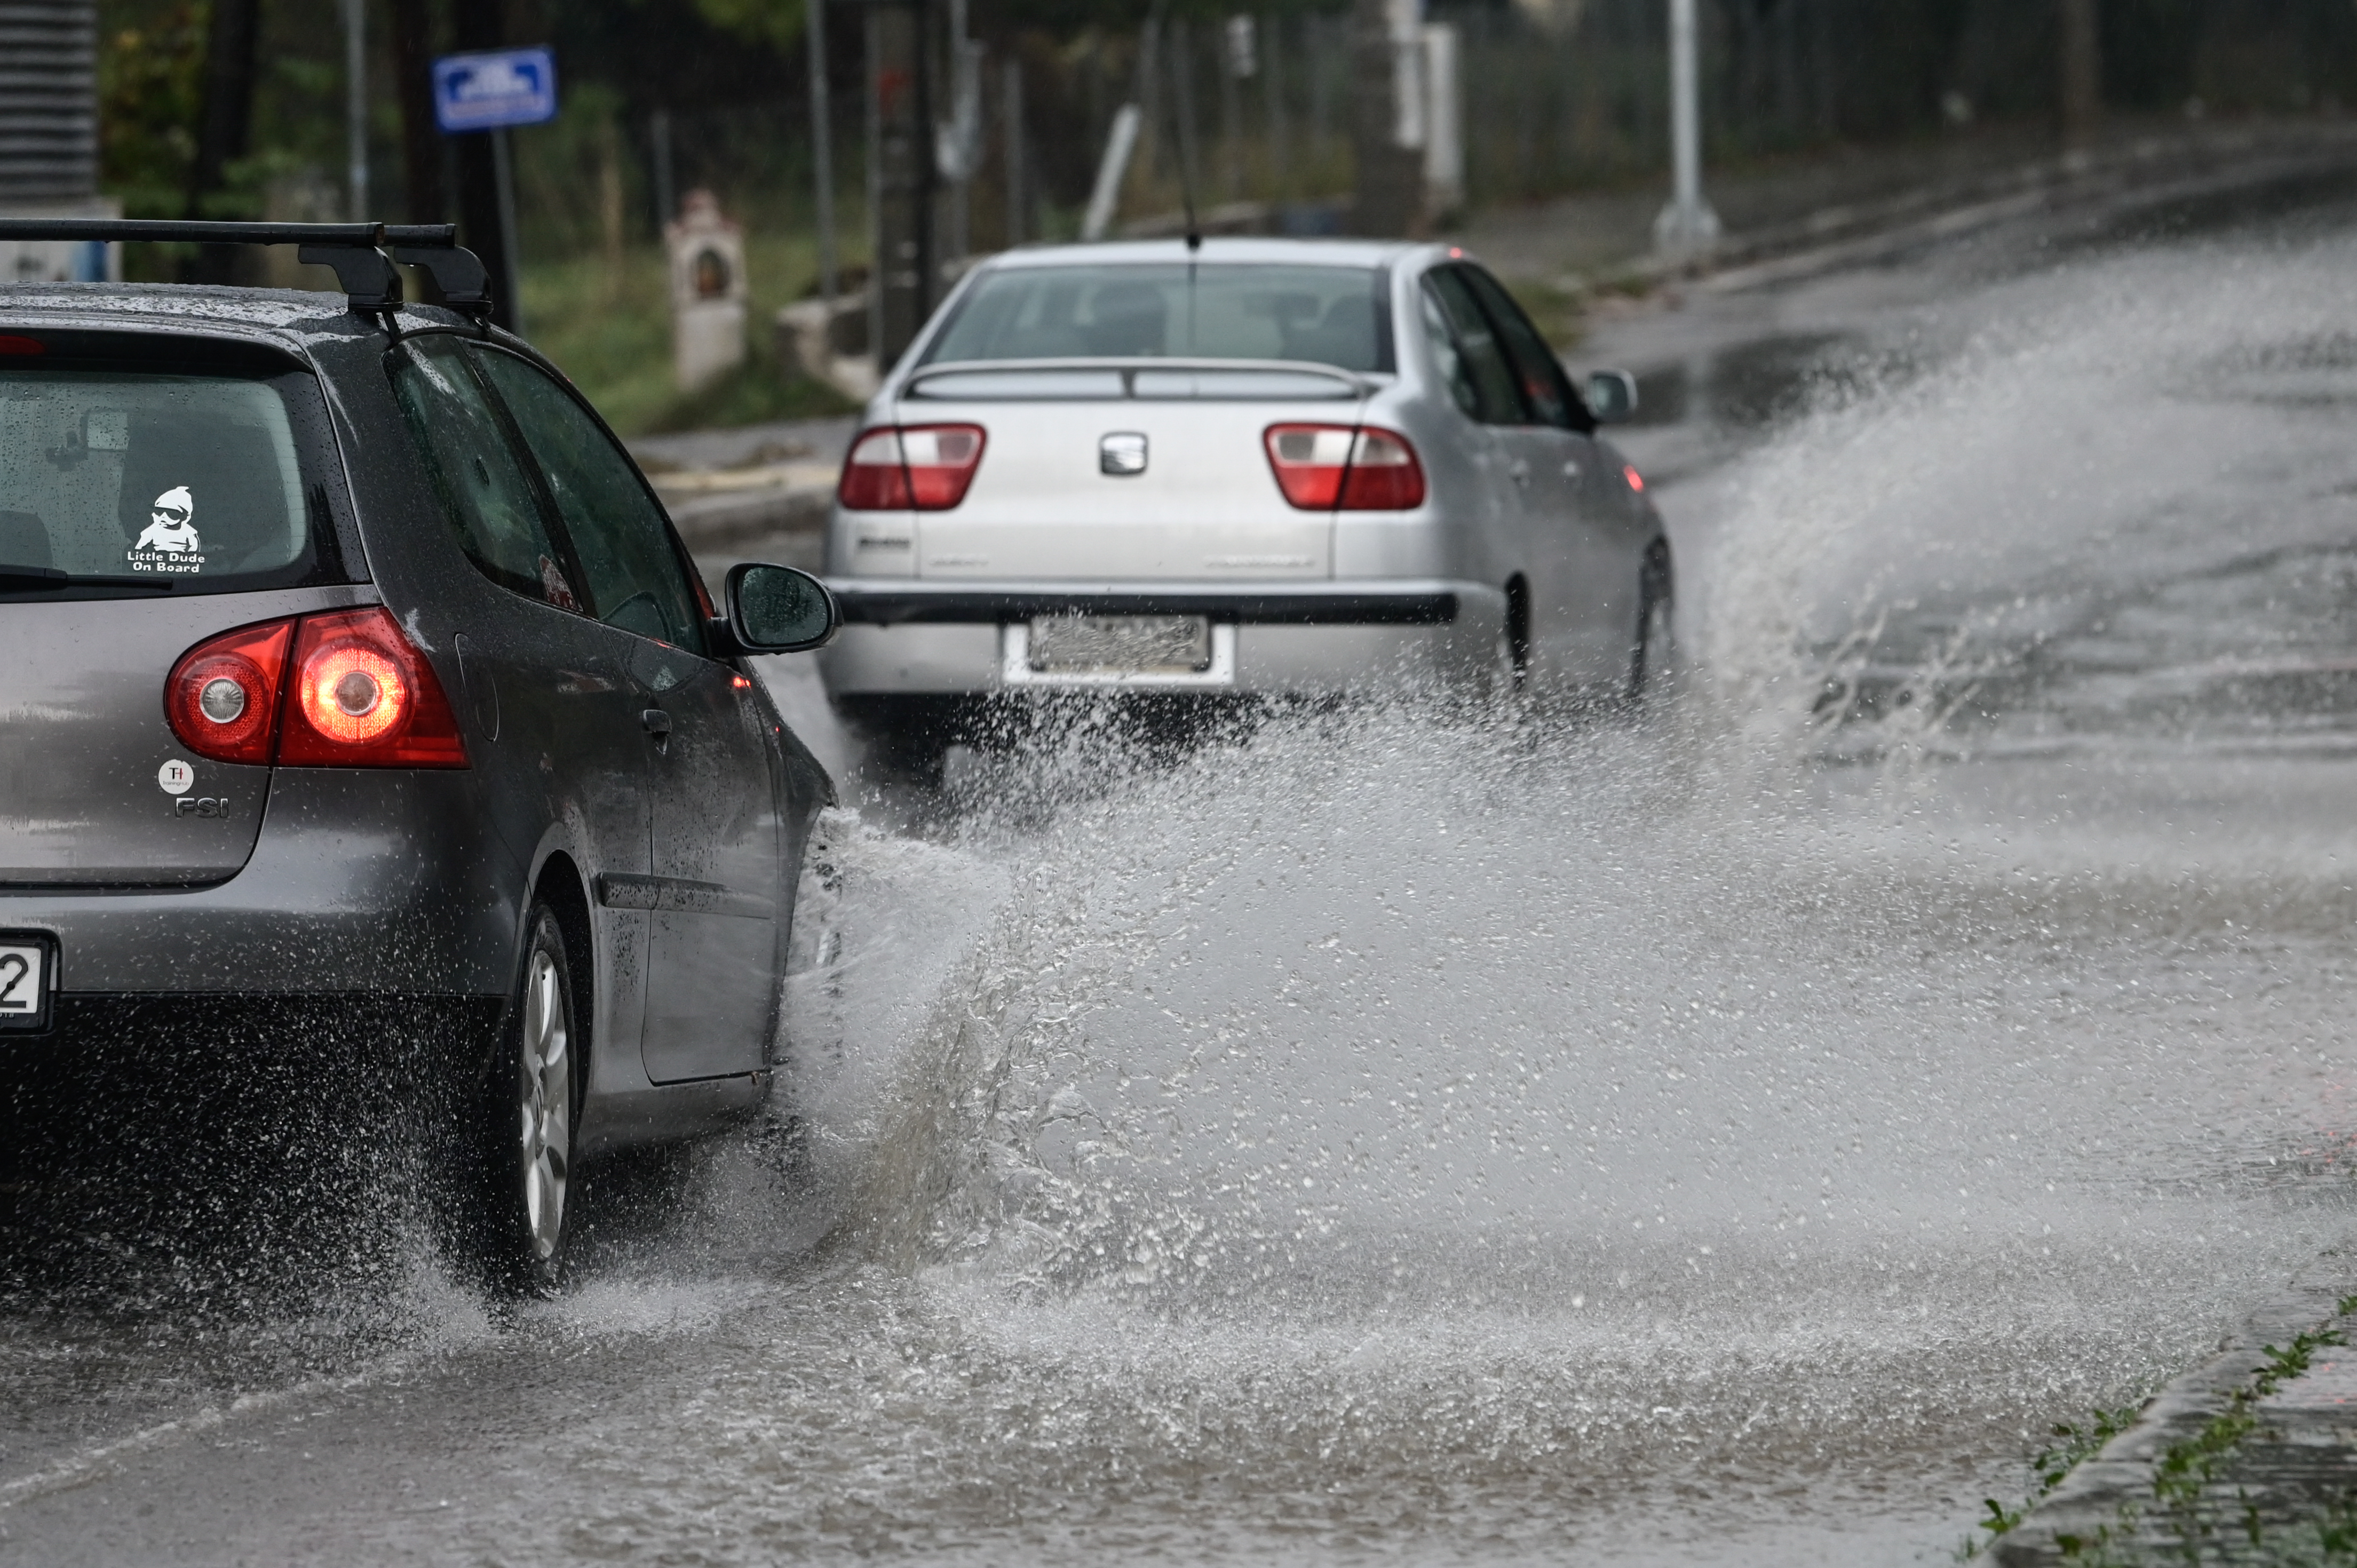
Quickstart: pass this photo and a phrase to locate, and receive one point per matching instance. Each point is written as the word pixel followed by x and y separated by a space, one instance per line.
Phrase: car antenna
pixel 1185 142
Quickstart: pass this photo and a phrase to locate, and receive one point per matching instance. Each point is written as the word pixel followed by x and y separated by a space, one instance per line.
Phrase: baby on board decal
pixel 169 542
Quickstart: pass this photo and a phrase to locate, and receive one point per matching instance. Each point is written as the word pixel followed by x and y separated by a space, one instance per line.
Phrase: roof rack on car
pixel 356 251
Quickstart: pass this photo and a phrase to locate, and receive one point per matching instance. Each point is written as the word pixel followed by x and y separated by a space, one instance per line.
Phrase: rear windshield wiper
pixel 39 579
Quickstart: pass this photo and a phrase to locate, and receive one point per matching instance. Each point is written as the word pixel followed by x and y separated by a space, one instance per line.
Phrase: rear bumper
pixel 1290 638
pixel 376 881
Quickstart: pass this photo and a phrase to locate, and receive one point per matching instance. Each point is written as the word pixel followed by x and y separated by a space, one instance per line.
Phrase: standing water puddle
pixel 1736 1134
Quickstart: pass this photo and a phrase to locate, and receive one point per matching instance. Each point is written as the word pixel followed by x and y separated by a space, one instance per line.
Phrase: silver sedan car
pixel 1260 467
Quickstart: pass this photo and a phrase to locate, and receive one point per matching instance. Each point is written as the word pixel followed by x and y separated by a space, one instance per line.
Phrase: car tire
pixel 1509 659
pixel 1652 654
pixel 529 1115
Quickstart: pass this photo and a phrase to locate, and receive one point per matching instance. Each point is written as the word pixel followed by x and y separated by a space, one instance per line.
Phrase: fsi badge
pixel 497 87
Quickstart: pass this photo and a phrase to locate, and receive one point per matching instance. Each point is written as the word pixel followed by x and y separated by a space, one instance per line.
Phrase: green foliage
pixel 610 331
pixel 150 89
pixel 2052 1467
pixel 776 22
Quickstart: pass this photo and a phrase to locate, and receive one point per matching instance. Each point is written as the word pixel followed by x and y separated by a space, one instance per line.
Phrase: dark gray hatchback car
pixel 347 659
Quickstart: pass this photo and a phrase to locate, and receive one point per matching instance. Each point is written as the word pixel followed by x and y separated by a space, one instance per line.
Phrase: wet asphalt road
pixel 1736 1134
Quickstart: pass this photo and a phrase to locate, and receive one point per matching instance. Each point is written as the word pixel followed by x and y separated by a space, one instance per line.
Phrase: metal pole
pixel 1010 108
pixel 822 155
pixel 356 104
pixel 1687 227
pixel 503 173
pixel 1112 169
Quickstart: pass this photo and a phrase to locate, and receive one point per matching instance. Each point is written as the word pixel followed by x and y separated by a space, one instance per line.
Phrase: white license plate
pixel 1120 645
pixel 27 973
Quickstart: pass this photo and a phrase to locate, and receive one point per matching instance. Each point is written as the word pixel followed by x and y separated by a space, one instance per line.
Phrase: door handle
pixel 656 722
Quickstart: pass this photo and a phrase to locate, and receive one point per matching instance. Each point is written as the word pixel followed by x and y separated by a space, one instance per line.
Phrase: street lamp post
pixel 1687 228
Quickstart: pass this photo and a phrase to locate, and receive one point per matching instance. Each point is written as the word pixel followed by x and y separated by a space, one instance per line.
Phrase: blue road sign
pixel 498 87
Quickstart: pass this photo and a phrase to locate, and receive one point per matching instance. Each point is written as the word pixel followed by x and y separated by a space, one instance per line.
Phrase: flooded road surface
pixel 1733 1134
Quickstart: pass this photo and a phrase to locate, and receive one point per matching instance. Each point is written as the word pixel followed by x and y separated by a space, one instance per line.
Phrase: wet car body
pixel 1122 479
pixel 614 766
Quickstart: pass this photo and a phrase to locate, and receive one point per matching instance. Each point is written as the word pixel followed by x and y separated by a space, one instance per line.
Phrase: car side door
pixel 1576 589
pixel 714 888
pixel 1481 384
pixel 547 690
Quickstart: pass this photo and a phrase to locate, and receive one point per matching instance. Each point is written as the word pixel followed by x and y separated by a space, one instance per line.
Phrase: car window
pixel 1326 315
pixel 1546 391
pixel 1454 372
pixel 633 575
pixel 1491 379
pixel 189 479
pixel 485 494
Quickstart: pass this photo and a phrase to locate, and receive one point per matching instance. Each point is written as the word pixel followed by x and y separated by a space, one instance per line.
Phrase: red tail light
pixel 222 697
pixel 1636 480
pixel 927 467
pixel 1328 467
pixel 362 697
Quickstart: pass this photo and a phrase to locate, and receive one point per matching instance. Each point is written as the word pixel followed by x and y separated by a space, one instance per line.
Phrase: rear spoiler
pixel 361 254
pixel 1145 377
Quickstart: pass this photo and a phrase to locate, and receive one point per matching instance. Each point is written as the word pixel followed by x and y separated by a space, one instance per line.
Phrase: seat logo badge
pixel 1121 454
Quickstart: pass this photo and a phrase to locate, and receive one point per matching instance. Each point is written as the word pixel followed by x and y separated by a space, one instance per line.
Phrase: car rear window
pixel 1229 310
pixel 117 482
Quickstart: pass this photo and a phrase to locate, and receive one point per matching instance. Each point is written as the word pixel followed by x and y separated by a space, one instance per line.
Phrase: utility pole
pixel 822 155
pixel 232 38
pixel 486 183
pixel 356 105
pixel 1687 228
pixel 900 109
pixel 420 142
pixel 2082 73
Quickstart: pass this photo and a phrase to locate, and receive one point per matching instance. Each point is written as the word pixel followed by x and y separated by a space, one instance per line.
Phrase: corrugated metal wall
pixel 48 100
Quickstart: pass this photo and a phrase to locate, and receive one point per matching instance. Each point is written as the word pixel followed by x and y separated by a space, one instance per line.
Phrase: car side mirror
pixel 777 609
pixel 1612 397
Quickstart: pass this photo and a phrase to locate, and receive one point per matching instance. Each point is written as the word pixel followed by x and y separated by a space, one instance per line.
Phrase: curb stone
pixel 2105 1495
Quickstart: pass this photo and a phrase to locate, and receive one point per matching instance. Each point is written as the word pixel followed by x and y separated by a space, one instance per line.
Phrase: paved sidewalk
pixel 1583 244
pixel 761 491
pixel 2250 1458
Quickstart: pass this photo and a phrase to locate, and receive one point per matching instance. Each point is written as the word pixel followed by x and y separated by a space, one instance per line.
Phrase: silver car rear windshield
pixel 1228 310
pixel 130 483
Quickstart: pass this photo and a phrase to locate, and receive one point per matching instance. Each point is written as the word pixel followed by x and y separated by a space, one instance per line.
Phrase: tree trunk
pixel 2082 73
pixel 225 132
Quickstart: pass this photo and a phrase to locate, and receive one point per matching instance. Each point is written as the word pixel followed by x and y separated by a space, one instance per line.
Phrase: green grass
pixel 2183 1473
pixel 610 331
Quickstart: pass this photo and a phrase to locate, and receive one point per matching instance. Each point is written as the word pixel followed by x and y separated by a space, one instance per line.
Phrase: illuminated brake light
pixel 1327 468
pixel 221 698
pixel 927 467
pixel 364 698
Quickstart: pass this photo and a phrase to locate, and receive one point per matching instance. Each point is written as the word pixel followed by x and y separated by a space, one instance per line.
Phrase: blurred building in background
pixel 49 135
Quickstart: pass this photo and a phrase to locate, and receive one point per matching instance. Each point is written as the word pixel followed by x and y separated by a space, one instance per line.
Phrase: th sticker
pixel 169 542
